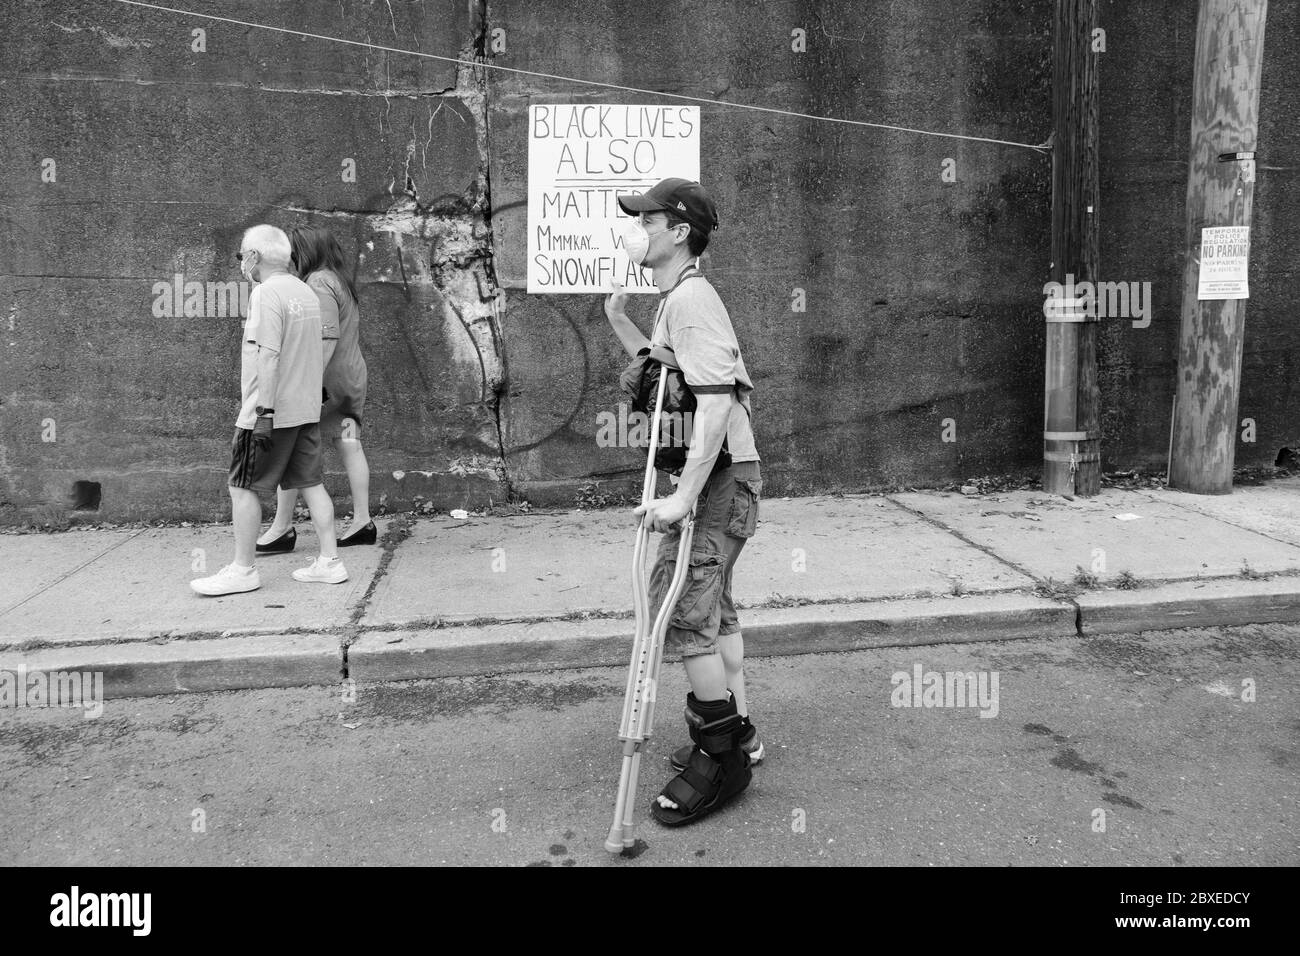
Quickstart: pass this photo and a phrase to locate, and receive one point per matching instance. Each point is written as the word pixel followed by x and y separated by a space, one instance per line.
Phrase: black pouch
pixel 640 380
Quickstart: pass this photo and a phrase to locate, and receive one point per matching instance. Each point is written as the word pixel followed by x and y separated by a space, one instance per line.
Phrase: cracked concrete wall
pixel 923 297
pixel 164 155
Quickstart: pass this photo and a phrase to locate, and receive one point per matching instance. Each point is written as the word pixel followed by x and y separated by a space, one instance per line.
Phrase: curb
pixel 257 661
pixel 248 661
pixel 769 632
pixel 1209 603
pixel 144 669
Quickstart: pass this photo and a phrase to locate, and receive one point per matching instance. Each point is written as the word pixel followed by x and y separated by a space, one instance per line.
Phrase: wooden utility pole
pixel 1220 191
pixel 1071 425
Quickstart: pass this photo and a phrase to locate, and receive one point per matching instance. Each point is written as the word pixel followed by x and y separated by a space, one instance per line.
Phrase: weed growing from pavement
pixel 590 497
pixel 513 505
pixel 991 484
pixel 1055 590
pixel 780 600
pixel 52 518
pixel 1250 574
pixel 1127 581
pixel 1085 579
pixel 1248 475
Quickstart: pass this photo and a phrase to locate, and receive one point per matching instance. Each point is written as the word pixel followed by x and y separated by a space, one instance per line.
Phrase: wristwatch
pixel 263 411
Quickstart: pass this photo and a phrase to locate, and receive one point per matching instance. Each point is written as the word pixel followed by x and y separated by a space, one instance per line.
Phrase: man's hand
pixel 629 336
pixel 616 304
pixel 662 513
pixel 262 432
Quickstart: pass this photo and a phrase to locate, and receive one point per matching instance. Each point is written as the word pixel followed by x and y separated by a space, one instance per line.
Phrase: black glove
pixel 262 432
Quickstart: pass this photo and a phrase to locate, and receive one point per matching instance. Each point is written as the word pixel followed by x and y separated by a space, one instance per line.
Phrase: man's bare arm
pixel 268 371
pixel 708 429
pixel 628 334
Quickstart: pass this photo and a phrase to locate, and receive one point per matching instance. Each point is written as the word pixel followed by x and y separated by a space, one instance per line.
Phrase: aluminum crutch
pixel 647 649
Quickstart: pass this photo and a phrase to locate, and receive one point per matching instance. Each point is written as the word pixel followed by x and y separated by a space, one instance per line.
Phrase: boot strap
pixel 697 783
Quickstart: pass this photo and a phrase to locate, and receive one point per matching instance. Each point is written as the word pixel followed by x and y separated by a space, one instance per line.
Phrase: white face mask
pixel 637 242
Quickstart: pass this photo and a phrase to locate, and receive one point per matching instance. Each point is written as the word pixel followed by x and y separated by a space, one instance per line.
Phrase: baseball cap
pixel 681 197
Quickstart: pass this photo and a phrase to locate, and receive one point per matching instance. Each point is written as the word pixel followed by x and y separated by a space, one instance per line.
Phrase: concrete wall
pixel 924 297
pixel 1146 99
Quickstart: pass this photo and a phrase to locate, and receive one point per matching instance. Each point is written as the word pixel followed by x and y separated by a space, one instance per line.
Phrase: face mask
pixel 637 242
pixel 246 270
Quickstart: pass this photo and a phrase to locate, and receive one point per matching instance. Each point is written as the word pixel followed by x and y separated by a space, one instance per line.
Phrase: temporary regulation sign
pixel 1225 251
pixel 580 158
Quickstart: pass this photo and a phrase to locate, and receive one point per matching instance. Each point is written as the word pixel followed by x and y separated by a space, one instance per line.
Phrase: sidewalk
pixel 447 597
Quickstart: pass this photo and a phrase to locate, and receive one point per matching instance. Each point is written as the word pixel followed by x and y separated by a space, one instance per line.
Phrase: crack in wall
pixel 442 243
pixel 446 242
pixel 462 258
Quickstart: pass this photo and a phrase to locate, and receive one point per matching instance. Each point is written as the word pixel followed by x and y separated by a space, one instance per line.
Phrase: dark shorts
pixel 292 461
pixel 726 514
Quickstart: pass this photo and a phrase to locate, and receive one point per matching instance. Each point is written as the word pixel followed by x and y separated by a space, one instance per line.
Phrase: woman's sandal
pixel 280 545
pixel 366 534
pixel 717 770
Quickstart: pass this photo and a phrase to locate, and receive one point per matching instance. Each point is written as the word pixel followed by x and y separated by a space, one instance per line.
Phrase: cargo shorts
pixel 726 515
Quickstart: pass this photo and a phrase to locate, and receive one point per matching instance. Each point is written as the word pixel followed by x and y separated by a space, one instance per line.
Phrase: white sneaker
pixel 231 579
pixel 321 571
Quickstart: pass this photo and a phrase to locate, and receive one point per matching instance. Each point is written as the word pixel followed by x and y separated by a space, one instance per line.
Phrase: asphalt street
pixel 1124 750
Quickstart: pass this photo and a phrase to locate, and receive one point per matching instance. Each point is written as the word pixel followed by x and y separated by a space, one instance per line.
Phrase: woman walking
pixel 318 260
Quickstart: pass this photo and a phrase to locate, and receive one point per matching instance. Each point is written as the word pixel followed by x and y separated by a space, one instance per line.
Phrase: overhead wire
pixel 1044 147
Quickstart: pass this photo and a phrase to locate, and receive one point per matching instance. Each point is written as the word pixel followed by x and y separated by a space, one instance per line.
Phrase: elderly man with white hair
pixel 277 434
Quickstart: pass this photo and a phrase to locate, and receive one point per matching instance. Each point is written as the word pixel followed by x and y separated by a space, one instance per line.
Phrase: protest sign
pixel 580 158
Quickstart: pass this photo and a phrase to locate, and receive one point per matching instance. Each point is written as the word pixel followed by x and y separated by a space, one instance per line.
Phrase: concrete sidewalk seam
pixel 67 574
pixel 1154 496
pixel 963 539
pixel 398 530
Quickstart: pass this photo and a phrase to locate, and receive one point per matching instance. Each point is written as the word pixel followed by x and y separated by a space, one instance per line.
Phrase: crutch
pixel 647 649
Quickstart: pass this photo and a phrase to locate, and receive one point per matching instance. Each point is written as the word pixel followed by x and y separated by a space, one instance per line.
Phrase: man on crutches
pixel 720 480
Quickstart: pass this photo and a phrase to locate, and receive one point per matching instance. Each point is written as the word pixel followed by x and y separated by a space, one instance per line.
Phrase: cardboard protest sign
pixel 580 158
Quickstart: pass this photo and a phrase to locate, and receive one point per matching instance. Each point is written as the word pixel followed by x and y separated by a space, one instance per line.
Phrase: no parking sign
pixel 1225 251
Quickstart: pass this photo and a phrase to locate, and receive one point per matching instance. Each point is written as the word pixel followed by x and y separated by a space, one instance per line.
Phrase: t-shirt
pixel 284 315
pixel 330 296
pixel 694 323
pixel 345 375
